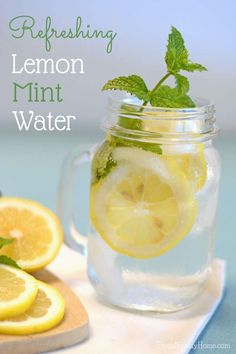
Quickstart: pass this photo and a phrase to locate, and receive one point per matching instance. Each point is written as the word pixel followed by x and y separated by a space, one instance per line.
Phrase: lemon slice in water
pixel 144 206
pixel 191 156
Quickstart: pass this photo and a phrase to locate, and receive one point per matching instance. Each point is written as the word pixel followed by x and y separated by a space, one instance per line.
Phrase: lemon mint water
pixel 153 192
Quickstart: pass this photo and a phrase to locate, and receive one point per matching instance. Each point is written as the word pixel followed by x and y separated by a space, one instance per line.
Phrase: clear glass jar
pixel 153 201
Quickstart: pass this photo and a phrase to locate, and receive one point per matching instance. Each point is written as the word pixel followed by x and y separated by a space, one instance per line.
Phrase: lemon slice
pixel 17 291
pixel 194 166
pixel 144 206
pixel 36 231
pixel 191 159
pixel 46 312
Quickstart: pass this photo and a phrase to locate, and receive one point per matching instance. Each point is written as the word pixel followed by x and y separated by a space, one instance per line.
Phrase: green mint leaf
pixel 177 54
pixel 8 261
pixel 165 96
pixel 128 120
pixel 5 241
pixel 5 259
pixel 130 123
pixel 182 84
pixel 133 84
pixel 177 57
pixel 103 161
pixel 185 101
pixel 193 67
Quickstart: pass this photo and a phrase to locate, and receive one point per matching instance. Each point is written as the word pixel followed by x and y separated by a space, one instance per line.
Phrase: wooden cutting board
pixel 73 329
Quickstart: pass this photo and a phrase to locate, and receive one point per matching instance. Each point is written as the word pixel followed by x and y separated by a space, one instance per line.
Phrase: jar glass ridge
pixel 179 124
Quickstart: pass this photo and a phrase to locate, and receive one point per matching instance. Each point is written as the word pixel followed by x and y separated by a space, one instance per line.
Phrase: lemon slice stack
pixel 27 305
pixel 17 291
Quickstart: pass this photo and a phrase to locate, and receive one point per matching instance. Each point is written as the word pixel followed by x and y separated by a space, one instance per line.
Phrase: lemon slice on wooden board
pixel 18 290
pixel 36 231
pixel 46 312
pixel 144 206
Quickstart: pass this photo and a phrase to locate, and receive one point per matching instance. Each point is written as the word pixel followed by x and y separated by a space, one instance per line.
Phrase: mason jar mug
pixel 153 197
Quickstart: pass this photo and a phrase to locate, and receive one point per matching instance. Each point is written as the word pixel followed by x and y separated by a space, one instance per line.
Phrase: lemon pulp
pixel 36 231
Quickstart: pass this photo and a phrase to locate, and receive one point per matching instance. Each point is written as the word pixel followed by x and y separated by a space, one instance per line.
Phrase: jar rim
pixel 203 109
pixel 126 118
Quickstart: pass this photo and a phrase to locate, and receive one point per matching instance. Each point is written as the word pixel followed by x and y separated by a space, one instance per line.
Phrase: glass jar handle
pixel 66 198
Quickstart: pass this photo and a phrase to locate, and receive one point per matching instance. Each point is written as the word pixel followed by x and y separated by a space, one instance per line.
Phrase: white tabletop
pixel 116 331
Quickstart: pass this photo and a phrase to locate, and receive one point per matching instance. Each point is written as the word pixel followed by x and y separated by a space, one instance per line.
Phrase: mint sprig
pixel 177 59
pixel 5 259
pixel 162 95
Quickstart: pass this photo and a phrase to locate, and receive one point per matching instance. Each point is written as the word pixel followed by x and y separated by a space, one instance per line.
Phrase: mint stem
pixel 157 85
pixel 161 81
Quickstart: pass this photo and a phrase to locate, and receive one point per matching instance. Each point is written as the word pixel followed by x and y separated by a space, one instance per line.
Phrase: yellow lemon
pixel 36 231
pixel 190 156
pixel 17 291
pixel 194 166
pixel 144 206
pixel 46 311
